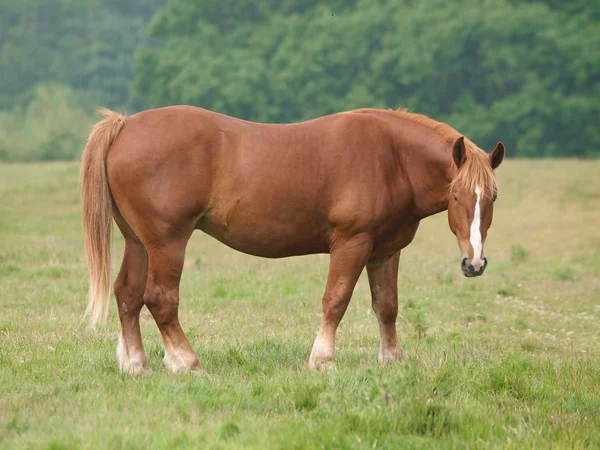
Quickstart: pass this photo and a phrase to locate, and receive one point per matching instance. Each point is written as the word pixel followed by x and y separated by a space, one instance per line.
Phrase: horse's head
pixel 471 201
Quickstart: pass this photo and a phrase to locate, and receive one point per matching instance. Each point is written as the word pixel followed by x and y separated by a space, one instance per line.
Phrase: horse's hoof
pixel 135 369
pixel 321 366
pixel 392 357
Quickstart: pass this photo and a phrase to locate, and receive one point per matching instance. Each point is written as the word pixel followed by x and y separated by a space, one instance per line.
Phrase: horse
pixel 354 185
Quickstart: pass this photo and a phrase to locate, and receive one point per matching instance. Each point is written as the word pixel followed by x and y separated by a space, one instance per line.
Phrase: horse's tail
pixel 97 212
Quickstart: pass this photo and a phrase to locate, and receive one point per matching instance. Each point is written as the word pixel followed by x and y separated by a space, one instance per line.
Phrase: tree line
pixel 524 72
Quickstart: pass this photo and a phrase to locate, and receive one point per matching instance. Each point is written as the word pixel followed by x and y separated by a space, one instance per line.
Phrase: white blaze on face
pixel 475 236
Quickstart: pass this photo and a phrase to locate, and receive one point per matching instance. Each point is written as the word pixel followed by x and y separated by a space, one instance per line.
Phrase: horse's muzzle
pixel 469 271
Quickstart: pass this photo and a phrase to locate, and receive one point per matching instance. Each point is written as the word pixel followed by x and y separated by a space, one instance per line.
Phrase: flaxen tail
pixel 97 212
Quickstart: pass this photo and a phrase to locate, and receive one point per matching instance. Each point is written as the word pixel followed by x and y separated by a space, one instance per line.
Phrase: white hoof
pixel 177 362
pixel 134 365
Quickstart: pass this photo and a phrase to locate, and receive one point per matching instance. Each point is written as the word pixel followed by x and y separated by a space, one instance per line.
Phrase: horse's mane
pixel 475 171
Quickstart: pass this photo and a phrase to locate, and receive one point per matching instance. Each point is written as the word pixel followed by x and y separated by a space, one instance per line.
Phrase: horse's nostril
pixel 463 263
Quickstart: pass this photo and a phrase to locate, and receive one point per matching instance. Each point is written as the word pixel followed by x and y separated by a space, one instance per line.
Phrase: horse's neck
pixel 429 168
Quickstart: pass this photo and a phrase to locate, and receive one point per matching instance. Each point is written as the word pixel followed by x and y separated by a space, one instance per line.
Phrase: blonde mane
pixel 475 171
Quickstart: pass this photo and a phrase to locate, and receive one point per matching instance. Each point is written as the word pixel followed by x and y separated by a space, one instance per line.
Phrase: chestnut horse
pixel 354 185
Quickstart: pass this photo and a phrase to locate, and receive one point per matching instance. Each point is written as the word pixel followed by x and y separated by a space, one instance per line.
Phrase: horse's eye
pixel 455 198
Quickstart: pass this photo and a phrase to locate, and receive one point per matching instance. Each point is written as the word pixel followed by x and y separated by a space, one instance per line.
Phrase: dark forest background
pixel 524 72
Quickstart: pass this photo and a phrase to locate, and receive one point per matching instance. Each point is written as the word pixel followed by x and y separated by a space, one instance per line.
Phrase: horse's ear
pixel 497 155
pixel 459 153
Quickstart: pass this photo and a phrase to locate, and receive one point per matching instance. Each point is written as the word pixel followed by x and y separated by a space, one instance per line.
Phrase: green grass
pixel 508 360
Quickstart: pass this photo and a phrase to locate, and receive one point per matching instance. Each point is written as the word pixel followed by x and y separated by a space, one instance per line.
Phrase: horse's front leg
pixel 348 258
pixel 383 280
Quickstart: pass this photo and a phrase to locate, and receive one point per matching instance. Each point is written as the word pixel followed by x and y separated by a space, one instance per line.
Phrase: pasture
pixel 507 360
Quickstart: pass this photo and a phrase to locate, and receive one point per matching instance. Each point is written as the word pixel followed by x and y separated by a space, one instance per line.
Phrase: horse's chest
pixel 395 240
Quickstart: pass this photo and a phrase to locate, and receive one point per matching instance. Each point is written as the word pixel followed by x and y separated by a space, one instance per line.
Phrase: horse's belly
pixel 267 238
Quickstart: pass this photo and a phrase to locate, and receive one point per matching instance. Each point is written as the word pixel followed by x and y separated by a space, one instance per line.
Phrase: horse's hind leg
pixel 129 292
pixel 162 299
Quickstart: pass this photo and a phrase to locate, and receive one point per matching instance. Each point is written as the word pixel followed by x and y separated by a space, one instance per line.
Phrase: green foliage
pixel 52 126
pixel 417 317
pixel 61 54
pixel 87 45
pixel 524 73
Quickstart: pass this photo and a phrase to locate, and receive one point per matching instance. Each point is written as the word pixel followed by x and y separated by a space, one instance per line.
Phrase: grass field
pixel 507 360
